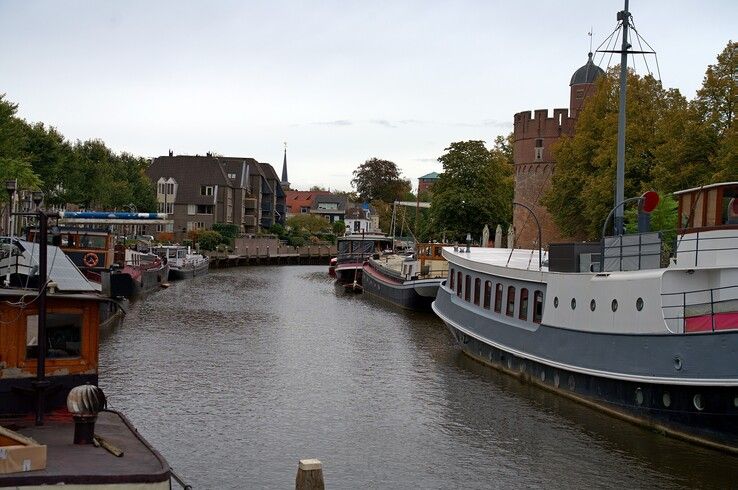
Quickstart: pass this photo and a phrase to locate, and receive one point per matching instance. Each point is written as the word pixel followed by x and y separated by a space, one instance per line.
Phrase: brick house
pixel 198 191
pixel 300 202
pixel 426 181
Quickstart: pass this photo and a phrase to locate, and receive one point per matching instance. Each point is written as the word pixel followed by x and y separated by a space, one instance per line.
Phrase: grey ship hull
pixel 652 380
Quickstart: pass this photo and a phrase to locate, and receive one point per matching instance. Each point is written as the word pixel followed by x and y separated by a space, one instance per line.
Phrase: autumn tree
pixel 475 189
pixel 377 179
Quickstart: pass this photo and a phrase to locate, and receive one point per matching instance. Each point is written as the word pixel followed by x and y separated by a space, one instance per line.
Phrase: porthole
pixel 639 396
pixel 572 383
pixel 593 305
pixel 666 399
pixel 557 380
pixel 699 403
pixel 573 304
pixel 678 363
pixel 639 304
pixel 556 301
pixel 614 305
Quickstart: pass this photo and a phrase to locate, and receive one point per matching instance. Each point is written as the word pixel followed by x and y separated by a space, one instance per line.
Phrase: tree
pixel 318 188
pixel 14 163
pixel 475 189
pixel 309 223
pixel 209 239
pixel 582 189
pixel 379 179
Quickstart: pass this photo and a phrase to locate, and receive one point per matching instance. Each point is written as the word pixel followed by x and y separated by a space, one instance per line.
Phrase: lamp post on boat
pixel 538 225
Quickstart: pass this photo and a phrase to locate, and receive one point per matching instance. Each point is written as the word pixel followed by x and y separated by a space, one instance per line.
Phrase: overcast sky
pixel 340 81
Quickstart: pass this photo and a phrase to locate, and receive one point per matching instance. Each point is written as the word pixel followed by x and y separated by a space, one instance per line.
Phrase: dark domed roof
pixel 586 74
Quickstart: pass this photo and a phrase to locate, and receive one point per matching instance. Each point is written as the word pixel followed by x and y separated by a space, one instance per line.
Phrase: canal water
pixel 236 375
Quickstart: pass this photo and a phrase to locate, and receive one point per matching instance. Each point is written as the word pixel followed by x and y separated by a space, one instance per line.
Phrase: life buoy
pixel 90 259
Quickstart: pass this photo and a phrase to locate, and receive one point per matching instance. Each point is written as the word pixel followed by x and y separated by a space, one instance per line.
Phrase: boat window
pixel 523 309
pixel 639 304
pixel 91 241
pixel 573 304
pixel 458 285
pixel 63 335
pixel 538 306
pixel 730 206
pixel 451 280
pixel 487 294
pixel 467 288
pixel 477 290
pixel 498 298
pixel 510 310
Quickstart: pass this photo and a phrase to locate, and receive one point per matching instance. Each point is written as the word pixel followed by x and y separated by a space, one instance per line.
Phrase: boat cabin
pixel 89 248
pixel 708 207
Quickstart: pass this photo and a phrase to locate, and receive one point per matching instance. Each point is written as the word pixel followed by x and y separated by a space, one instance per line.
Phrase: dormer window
pixel 206 190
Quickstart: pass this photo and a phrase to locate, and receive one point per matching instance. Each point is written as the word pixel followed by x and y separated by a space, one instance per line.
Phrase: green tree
pixel 14 163
pixel 309 223
pixel 339 227
pixel 209 239
pixel 475 188
pixel 379 179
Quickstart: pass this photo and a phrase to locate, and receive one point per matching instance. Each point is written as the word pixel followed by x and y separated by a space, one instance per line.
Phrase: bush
pixel 339 228
pixel 209 240
pixel 228 230
pixel 296 241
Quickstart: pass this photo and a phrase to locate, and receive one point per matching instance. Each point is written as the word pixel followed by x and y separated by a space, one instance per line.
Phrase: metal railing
pixel 701 310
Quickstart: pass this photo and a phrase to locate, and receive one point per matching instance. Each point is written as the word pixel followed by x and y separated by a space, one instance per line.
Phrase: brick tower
pixel 534 161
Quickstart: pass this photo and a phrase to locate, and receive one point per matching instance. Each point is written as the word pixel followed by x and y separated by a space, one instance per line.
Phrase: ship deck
pixel 523 259
pixel 68 463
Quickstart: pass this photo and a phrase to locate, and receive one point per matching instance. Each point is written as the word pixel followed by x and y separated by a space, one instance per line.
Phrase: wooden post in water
pixel 309 475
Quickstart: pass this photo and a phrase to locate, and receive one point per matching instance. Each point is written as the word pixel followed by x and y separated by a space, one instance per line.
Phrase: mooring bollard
pixel 309 475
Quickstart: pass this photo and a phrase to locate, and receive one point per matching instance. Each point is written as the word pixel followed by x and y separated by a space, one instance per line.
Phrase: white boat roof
pixel 705 187
pixel 518 258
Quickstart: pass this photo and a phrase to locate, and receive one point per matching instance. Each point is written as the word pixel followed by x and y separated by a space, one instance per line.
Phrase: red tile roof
pixel 295 200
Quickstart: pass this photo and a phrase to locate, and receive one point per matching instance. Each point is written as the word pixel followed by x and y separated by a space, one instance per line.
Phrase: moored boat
pixel 609 325
pixel 353 250
pixel 55 425
pixel 407 280
pixel 183 264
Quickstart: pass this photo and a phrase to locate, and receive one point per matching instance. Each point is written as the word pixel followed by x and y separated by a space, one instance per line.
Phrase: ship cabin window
pixel 523 308
pixel 467 288
pixel 510 310
pixel 63 335
pixel 458 286
pixel 712 207
pixel 451 280
pixel 537 307
pixel 498 298
pixel 487 294
pixel 477 290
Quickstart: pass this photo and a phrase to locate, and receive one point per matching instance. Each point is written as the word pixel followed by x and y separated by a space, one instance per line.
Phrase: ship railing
pixel 701 310
pixel 697 243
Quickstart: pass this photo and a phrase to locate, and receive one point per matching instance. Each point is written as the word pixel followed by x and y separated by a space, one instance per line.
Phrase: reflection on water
pixel 236 375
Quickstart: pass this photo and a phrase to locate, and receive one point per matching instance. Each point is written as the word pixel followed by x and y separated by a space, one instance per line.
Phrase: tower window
pixel 539 154
pixel 580 94
pixel 539 143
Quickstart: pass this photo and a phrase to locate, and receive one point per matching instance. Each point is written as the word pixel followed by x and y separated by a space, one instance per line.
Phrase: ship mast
pixel 623 16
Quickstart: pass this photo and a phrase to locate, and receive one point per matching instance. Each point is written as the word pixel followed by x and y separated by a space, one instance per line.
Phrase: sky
pixel 339 81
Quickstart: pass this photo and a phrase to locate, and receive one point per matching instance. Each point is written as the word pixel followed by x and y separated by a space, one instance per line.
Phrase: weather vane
pixel 590 38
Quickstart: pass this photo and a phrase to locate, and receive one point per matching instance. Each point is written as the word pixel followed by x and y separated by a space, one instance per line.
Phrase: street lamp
pixel 468 241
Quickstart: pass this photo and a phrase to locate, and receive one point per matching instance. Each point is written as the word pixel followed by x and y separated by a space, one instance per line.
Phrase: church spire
pixel 285 182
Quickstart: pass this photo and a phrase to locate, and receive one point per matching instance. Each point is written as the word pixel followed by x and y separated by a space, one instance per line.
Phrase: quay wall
pixel 273 255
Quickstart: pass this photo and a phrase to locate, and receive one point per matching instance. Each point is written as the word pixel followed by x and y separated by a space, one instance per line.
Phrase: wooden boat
pixel 183 264
pixel 408 280
pixel 65 315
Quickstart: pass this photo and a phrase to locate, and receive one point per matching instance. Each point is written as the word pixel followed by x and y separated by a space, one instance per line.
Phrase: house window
pixel 510 310
pixel 487 294
pixel 170 188
pixel 327 205
pixel 166 207
pixel 160 187
pixel 304 210
pixel 523 308
pixel 63 335
pixel 451 280
pixel 232 176
pixel 498 298
pixel 477 290
pixel 191 209
pixel 467 288
pixel 206 190
pixel 205 209
pixel 357 225
pixel 458 280
pixel 537 306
